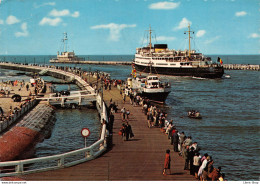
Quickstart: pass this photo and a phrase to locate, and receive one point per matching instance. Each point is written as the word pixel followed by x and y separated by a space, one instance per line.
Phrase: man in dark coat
pixel 175 141
pixel 191 156
pixel 128 130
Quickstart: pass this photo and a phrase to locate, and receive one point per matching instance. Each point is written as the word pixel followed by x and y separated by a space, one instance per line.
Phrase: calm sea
pixel 229 130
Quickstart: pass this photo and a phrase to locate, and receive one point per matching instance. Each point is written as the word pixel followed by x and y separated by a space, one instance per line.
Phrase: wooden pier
pixel 140 159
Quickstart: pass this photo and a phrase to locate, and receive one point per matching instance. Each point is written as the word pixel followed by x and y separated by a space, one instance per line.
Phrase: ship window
pixel 162 64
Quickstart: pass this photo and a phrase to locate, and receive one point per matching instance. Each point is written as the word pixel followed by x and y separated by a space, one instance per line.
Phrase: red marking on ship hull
pixel 16 141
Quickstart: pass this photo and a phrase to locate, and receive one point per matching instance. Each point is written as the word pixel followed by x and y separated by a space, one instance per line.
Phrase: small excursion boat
pixel 194 114
pixel 150 87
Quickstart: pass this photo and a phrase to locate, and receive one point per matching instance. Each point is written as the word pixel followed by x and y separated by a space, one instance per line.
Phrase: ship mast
pixel 65 38
pixel 189 31
pixel 150 38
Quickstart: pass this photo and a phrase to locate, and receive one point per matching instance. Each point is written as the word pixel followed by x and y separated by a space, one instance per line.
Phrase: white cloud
pixel 200 33
pixel 254 35
pixel 62 13
pixel 44 4
pixel 212 40
pixel 56 13
pixel 1 21
pixel 164 5
pixel 240 14
pixel 114 29
pixel 12 20
pixel 183 24
pixel 49 21
pixel 24 32
pixel 165 38
pixel 75 14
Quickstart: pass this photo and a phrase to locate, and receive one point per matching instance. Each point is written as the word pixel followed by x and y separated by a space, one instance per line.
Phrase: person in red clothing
pixel 167 162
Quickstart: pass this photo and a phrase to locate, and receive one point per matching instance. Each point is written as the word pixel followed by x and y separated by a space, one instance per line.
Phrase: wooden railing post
pixel 61 162
pixel 19 168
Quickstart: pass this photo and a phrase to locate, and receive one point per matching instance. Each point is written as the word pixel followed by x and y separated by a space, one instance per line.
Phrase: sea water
pixel 228 131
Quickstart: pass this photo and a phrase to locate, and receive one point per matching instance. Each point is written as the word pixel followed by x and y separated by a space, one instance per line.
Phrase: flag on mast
pixel 220 60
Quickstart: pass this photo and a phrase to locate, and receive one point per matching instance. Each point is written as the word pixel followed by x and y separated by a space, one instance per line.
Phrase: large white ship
pixel 159 59
pixel 65 56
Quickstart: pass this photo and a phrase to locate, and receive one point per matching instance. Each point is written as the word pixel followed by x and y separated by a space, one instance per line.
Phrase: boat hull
pixel 156 97
pixel 204 72
pixel 195 117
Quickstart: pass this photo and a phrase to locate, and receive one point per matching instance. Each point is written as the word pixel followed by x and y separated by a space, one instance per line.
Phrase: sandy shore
pixel 6 100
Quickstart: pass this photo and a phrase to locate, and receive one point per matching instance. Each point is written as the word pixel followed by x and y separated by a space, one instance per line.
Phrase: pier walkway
pixel 140 159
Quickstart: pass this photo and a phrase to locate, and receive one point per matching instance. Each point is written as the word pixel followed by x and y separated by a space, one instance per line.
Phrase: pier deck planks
pixel 140 159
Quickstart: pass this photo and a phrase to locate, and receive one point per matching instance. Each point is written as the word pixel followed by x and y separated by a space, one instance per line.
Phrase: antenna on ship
pixel 189 31
pixel 65 38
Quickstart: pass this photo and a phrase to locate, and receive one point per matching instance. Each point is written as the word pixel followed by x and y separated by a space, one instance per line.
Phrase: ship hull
pixel 156 97
pixel 204 72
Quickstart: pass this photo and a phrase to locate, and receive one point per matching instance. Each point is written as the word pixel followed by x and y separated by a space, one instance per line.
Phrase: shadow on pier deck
pixel 140 159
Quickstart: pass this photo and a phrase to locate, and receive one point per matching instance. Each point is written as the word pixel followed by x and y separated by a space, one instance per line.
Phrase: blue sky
pixel 31 27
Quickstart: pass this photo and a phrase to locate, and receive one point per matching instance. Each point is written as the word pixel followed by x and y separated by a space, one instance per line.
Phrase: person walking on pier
pixel 27 87
pixel 167 162
pixel 124 97
pixel 123 113
pixel 128 131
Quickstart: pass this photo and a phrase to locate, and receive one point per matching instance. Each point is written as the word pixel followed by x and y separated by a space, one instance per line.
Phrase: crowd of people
pixel 198 165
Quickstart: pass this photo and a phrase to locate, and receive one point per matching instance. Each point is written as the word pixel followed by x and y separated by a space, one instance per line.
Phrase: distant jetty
pixel 226 66
pixel 241 67
pixel 95 62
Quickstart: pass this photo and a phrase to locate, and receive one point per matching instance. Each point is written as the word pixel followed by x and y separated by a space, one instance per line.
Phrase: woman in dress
pixel 167 162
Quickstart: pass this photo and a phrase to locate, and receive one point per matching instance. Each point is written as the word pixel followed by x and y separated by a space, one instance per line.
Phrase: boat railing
pixel 61 160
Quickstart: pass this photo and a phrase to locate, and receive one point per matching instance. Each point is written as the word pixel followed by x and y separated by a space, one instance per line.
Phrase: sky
pixel 117 27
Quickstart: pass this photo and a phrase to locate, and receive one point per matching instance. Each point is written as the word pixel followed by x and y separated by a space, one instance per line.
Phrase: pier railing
pixel 61 160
